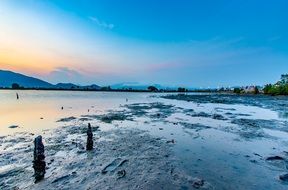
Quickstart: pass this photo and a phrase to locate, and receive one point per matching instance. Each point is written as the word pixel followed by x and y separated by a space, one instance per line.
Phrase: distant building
pixel 250 89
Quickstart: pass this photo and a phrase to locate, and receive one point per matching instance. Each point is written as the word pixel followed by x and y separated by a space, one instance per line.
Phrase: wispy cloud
pixel 101 23
pixel 64 74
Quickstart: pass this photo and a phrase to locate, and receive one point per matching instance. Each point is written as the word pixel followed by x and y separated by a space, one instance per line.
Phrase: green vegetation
pixel 256 90
pixel 280 88
pixel 152 88
pixel 182 89
pixel 16 86
pixel 105 88
pixel 237 90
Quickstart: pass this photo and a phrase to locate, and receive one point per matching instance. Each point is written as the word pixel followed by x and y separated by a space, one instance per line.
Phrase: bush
pixel 274 90
pixel 237 90
pixel 15 86
pixel 256 90
pixel 182 89
pixel 267 88
pixel 152 88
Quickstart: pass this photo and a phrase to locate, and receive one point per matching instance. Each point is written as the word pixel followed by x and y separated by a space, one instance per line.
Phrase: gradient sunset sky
pixel 192 43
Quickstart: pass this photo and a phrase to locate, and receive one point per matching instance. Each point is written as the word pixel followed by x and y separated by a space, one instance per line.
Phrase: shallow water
pixel 229 151
pixel 32 106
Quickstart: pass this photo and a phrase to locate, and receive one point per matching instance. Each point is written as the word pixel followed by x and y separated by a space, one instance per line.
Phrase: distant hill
pixel 7 78
pixel 137 86
pixel 73 86
pixel 66 86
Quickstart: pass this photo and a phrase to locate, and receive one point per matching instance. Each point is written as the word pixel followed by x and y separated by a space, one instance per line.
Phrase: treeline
pixel 280 88
pixel 16 86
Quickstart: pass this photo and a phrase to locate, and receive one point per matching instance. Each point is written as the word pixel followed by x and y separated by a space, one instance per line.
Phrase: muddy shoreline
pixel 171 142
pixel 147 161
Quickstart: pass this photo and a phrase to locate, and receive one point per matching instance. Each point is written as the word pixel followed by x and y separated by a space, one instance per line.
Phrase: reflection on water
pixel 38 110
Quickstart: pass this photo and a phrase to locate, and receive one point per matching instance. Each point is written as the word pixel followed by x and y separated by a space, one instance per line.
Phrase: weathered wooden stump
pixel 39 159
pixel 89 145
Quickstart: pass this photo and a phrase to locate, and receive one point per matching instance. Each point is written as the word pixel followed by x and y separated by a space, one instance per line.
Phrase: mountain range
pixel 7 78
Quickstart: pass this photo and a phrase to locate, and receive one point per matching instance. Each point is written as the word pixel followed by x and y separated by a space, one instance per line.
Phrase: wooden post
pixel 89 145
pixel 39 159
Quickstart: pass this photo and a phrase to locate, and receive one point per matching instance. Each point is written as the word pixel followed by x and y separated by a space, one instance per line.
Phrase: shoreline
pixel 142 91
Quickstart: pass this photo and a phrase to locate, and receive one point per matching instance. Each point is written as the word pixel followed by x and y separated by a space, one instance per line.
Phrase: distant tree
pixel 15 86
pixel 182 89
pixel 222 89
pixel 267 88
pixel 284 79
pixel 106 88
pixel 256 90
pixel 152 88
pixel 237 90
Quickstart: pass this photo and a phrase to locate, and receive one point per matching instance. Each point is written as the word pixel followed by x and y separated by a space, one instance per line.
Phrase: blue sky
pixel 204 43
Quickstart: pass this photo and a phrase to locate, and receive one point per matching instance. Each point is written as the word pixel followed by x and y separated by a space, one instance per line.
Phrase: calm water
pixel 39 110
pixel 36 111
pixel 223 158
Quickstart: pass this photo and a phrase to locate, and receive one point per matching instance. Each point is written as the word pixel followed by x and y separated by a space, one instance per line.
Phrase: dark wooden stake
pixel 39 159
pixel 89 145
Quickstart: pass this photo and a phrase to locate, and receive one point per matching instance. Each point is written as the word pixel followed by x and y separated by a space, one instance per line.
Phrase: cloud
pixel 64 74
pixel 102 24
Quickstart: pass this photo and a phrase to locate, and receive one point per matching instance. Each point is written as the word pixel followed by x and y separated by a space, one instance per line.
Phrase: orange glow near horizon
pixel 27 62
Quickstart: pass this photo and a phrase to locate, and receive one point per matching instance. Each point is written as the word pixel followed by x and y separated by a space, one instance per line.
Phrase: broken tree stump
pixel 39 159
pixel 89 145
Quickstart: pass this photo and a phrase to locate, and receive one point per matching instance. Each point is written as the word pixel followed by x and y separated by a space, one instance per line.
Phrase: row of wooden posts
pixel 39 163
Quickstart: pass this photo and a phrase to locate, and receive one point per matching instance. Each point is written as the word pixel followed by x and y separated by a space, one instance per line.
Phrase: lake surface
pixel 226 144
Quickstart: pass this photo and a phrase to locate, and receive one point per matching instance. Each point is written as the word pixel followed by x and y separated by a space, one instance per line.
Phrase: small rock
pixel 197 183
pixel 284 177
pixel 121 174
pixel 160 129
pixel 271 158
pixel 256 154
pixel 171 141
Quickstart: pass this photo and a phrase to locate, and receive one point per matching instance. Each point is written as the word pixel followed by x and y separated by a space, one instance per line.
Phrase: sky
pixel 190 43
